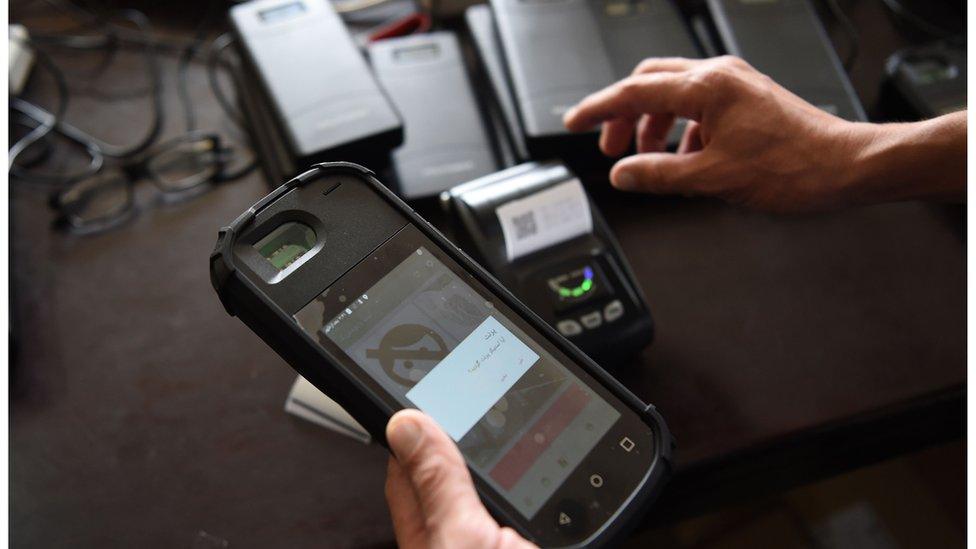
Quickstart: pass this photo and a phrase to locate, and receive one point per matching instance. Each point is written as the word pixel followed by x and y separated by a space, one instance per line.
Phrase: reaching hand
pixel 432 499
pixel 752 142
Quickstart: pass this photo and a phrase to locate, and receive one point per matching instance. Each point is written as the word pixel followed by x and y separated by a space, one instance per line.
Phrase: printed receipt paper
pixel 545 218
pixel 472 377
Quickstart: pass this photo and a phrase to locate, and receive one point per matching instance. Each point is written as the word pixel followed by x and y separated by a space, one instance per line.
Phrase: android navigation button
pixel 564 519
pixel 596 481
pixel 569 328
pixel 591 320
pixel 627 444
pixel 613 310
pixel 570 517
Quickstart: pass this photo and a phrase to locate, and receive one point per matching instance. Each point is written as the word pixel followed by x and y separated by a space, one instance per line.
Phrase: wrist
pixel 905 161
pixel 856 148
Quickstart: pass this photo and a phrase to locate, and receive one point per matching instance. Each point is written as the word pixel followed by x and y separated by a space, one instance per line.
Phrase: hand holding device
pixel 378 310
pixel 752 142
pixel 432 499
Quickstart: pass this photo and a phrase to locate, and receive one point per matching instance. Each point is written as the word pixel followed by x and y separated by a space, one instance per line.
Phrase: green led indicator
pixel 585 286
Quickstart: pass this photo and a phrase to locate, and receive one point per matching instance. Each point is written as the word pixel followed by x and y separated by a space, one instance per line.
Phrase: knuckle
pixel 429 473
pixel 629 91
pixel 645 65
pixel 629 88
pixel 734 61
pixel 651 63
pixel 710 79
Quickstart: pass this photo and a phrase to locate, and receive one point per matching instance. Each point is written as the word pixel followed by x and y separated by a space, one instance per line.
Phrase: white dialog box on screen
pixel 471 378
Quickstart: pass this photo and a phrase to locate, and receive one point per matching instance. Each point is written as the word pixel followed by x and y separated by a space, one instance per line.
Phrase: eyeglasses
pixel 176 168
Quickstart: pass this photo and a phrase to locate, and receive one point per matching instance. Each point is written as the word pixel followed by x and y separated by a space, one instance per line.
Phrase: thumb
pixel 436 470
pixel 661 173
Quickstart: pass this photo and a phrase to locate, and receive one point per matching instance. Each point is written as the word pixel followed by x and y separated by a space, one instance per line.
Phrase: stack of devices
pixel 306 102
pixel 306 89
pixel 310 95
pixel 543 56
pixel 535 228
pixel 785 40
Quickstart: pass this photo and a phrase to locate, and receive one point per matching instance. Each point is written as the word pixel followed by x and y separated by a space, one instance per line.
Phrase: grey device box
pixel 559 51
pixel 786 40
pixel 445 140
pixel 481 26
pixel 319 93
pixel 634 30
pixel 555 57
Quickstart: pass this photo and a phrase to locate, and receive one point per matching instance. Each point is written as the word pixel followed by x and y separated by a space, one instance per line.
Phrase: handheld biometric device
pixel 378 310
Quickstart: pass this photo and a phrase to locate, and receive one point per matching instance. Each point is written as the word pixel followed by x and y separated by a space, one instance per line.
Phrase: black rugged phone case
pixel 243 299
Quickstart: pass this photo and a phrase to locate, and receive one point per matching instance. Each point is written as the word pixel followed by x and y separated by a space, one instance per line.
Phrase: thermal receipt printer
pixel 535 228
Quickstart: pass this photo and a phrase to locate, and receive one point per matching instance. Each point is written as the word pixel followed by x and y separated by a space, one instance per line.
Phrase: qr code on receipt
pixel 525 225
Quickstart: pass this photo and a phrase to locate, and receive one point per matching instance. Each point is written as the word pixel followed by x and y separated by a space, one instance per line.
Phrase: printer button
pixel 592 320
pixel 569 328
pixel 613 310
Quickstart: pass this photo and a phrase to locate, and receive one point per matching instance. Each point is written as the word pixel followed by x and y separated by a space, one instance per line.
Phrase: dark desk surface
pixel 142 415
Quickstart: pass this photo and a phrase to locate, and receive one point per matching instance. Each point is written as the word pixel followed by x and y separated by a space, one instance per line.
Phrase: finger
pixel 662 92
pixel 662 173
pixel 408 522
pixel 665 64
pixel 652 133
pixel 616 136
pixel 435 469
pixel 691 139
pixel 643 129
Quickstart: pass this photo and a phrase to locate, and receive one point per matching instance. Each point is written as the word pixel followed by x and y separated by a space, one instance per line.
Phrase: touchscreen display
pixel 521 419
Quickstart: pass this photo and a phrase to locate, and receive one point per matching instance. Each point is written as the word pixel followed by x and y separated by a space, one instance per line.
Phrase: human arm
pixel 752 142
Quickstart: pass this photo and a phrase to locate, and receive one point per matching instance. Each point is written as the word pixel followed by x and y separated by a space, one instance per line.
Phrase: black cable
pixel 122 36
pixel 46 124
pixel 155 77
pixel 154 72
pixel 214 61
pixel 183 65
pixel 214 58
pixel 243 171
pixel 39 116
pixel 853 37
pixel 111 46
pixel 182 89
pixel 173 46
pixel 61 106
pixel 115 36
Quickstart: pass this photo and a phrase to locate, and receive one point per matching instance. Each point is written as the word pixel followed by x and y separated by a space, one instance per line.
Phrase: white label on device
pixel 470 379
pixel 545 218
